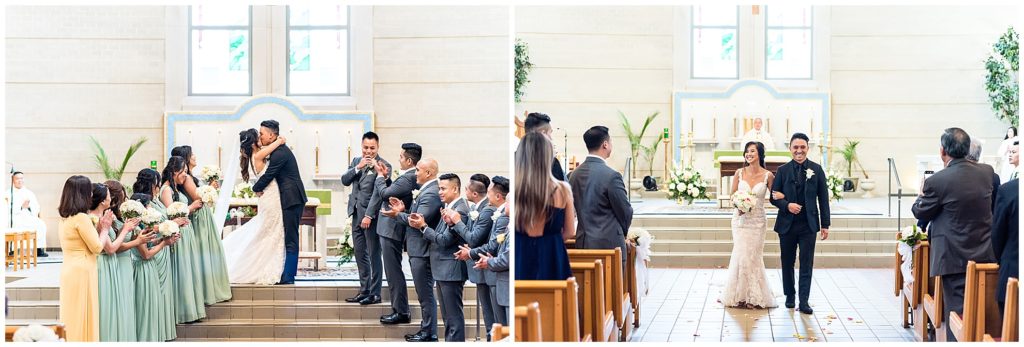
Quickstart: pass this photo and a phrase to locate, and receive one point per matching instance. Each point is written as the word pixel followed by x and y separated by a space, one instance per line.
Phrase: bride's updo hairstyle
pixel 247 138
pixel 760 152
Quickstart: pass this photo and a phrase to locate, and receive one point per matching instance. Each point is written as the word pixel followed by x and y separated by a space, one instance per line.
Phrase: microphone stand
pixel 565 152
pixel 11 215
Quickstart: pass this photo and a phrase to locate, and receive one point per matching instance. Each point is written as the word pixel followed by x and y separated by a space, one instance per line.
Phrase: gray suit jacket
pixel 602 206
pixel 444 242
pixel 499 266
pixel 428 203
pixel 364 199
pixel 958 202
pixel 402 189
pixel 476 234
pixel 492 246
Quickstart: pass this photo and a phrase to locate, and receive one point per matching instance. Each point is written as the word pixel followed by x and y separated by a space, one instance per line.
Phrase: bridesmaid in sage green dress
pixel 188 296
pixel 116 293
pixel 215 284
pixel 154 305
pixel 125 265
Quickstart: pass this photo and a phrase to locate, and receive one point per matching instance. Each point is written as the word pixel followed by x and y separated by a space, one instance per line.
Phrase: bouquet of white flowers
pixel 177 210
pixel 168 228
pixel 835 185
pixel 243 191
pixel 210 173
pixel 744 201
pixel 131 209
pixel 638 233
pixel 35 333
pixel 208 194
pixel 687 184
pixel 151 217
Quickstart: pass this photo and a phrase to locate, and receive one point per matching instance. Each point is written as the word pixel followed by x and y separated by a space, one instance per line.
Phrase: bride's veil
pixel 231 172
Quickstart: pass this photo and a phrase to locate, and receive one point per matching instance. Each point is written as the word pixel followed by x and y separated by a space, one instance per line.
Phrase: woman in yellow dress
pixel 81 243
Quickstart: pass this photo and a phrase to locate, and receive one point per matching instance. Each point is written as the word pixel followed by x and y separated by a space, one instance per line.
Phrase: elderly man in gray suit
pixel 363 205
pixel 958 202
pixel 476 230
pixel 392 233
pixel 602 205
pixel 495 270
pixel 426 207
pixel 450 273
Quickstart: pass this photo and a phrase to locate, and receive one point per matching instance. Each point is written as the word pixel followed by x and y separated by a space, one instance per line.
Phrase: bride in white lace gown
pixel 255 252
pixel 746 282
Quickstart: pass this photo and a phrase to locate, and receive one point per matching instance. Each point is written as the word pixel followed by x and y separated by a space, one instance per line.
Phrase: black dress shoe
pixel 397 318
pixel 41 253
pixel 359 297
pixel 422 337
pixel 805 308
pixel 370 300
pixel 790 301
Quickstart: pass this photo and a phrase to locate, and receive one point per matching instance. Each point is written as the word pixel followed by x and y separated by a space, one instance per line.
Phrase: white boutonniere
pixel 415 193
pixel 810 173
pixel 473 215
pixel 494 217
pixel 394 175
pixel 501 238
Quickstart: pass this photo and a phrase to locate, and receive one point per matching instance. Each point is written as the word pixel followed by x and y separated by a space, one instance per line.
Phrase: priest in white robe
pixel 25 211
pixel 760 135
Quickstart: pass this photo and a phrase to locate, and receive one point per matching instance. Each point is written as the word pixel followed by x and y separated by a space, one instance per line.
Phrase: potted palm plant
pixel 849 153
pixel 110 171
pixel 636 146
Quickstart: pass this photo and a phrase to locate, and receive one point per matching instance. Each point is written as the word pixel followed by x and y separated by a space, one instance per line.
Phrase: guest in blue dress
pixel 544 213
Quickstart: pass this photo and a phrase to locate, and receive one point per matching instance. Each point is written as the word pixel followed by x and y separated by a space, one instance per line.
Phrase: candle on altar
pixel 691 123
pixel 317 137
pixel 190 136
pixel 220 140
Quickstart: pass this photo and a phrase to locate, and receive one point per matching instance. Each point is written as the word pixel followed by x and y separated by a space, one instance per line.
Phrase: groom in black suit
pixel 801 194
pixel 283 168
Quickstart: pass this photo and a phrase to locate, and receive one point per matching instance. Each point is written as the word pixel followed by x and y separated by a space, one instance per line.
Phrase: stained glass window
pixel 714 42
pixel 219 51
pixel 318 50
pixel 789 34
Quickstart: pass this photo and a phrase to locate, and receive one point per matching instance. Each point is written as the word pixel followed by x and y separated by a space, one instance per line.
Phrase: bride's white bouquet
pixel 168 228
pixel 744 201
pixel 131 209
pixel 243 191
pixel 835 185
pixel 687 184
pixel 177 210
pixel 151 217
pixel 210 173
pixel 208 194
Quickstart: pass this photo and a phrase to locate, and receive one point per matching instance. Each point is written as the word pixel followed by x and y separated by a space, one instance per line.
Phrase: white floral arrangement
pixel 131 209
pixel 35 333
pixel 210 173
pixel 639 233
pixel 151 217
pixel 835 185
pixel 177 210
pixel 744 201
pixel 905 247
pixel 244 191
pixel 208 194
pixel 168 228
pixel 687 184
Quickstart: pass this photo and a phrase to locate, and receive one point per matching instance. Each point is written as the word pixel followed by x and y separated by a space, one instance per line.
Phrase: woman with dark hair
pixel 81 243
pixel 1006 169
pixel 154 298
pixel 117 304
pixel 545 216
pixel 213 271
pixel 185 269
pixel 746 283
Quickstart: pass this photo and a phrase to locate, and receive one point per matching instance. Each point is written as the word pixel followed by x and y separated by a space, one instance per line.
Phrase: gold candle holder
pixel 666 142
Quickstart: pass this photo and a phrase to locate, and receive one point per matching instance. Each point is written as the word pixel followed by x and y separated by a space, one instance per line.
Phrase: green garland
pixel 523 66
pixel 1001 81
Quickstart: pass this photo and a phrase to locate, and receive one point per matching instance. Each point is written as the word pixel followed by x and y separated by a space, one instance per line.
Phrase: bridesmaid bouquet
pixel 208 194
pixel 210 173
pixel 151 217
pixel 744 201
pixel 168 228
pixel 177 210
pixel 132 209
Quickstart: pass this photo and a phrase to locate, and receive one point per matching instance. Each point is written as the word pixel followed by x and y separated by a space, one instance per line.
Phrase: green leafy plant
pixel 636 139
pixel 103 161
pixel 648 153
pixel 523 67
pixel 1001 81
pixel 849 153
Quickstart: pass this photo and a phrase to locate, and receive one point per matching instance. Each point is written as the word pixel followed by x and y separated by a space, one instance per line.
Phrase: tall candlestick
pixel 734 126
pixel 714 127
pixel 190 136
pixel 349 142
pixel 220 140
pixel 787 125
pixel 317 136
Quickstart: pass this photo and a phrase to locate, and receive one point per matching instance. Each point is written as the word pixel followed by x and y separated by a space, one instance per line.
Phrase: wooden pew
pixel 598 320
pixel 981 313
pixel 632 287
pixel 570 243
pixel 620 303
pixel 527 323
pixel 557 303
pixel 57 329
pixel 499 332
pixel 931 303
pixel 1011 314
pixel 911 295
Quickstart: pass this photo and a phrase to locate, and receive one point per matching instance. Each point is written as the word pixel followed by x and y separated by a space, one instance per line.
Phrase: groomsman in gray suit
pixel 363 205
pixel 476 231
pixel 450 273
pixel 496 274
pixel 602 205
pixel 392 233
pixel 426 206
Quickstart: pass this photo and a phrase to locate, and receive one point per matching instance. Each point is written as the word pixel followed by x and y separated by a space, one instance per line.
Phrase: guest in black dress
pixel 544 214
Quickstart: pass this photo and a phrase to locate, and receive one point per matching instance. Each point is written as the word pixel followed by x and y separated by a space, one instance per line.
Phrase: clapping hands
pixel 416 221
pixel 463 253
pixel 481 264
